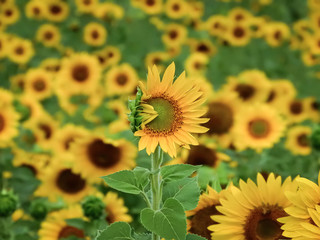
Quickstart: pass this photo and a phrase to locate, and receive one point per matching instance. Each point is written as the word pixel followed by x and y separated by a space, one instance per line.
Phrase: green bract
pixel 39 209
pixel 8 204
pixel 134 107
pixel 92 207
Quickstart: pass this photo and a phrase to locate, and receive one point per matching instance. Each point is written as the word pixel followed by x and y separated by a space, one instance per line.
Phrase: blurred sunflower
pixel 38 84
pixel 313 108
pixel 174 35
pixel 4 43
pixel 156 58
pixel 108 56
pixel 97 156
pixel 298 140
pixel 79 73
pixel 176 8
pixel 17 83
pixel 55 226
pixel 36 9
pixel 20 50
pixel 251 212
pixel 94 34
pixel 203 46
pixel 258 127
pixel 196 63
pixel 9 14
pixel 6 98
pixel 121 80
pixel 199 219
pixel 151 6
pixel 62 181
pixel 51 65
pixel 239 14
pixel 86 6
pixel 57 11
pixel 171 112
pixel 48 35
pixel 120 110
pixel 257 25
pixel 217 25
pixel 276 33
pixel 238 34
pixel 109 11
pixel 8 124
pixel 295 111
pixel 115 208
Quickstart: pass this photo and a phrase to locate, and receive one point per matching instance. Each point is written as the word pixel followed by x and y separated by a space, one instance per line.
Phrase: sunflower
pixel 9 14
pixel 222 111
pixel 302 222
pixel 205 154
pixel 315 44
pixel 295 111
pixel 121 80
pixel 20 51
pixel 257 25
pixel 96 156
pixel 251 211
pixel 94 34
pixel 36 9
pixel 62 181
pixel 176 8
pixel 258 127
pixel 315 20
pixel 49 35
pixel 8 124
pixel 17 83
pixel 151 6
pixel 217 25
pixel 51 65
pixel 115 208
pixel 310 59
pixel 86 6
pixel 238 34
pixel 108 11
pixel 55 227
pixel 298 140
pixel 175 34
pixel 199 218
pixel 196 63
pixel 203 46
pixel 239 14
pixel 172 112
pixel 79 73
pixel 276 33
pixel 57 11
pixel 34 106
pixel 4 42
pixel 38 84
pixel 156 58
pixel 6 98
pixel 313 108
pixel 195 9
pixel 108 56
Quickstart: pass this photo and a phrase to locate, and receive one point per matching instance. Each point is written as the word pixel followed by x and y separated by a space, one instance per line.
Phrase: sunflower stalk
pixel 156 185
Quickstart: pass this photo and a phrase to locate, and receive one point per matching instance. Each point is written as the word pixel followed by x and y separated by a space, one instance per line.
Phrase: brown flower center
pixel 176 7
pixel 48 35
pixel 245 91
pixel 239 17
pixel 103 155
pixel 39 85
pixel 296 107
pixel 19 50
pixel 69 231
pixel 55 9
pixel 201 221
pixel 46 130
pixel 122 79
pixel 95 34
pixel 150 2
pixel 262 223
pixel 271 96
pixel 315 105
pixel 80 73
pixel 303 140
pixel 238 32
pixel 173 34
pixel 201 155
pixel 110 216
pixel 203 48
pixel 277 35
pixel 69 182
pixel 36 11
pixel 68 142
pixel 259 128
pixel 2 123
pixel 8 13
pixel 221 118
pixel 86 2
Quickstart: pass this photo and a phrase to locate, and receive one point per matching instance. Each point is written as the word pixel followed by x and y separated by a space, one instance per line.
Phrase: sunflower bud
pixel 23 110
pixel 315 138
pixel 8 203
pixel 39 209
pixel 93 207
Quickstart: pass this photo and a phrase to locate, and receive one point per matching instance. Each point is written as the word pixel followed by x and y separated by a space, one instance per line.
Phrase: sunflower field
pixel 159 119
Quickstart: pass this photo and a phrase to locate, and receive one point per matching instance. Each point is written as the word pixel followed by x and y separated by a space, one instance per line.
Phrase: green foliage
pixel 92 207
pixel 39 208
pixel 168 222
pixel 8 203
pixel 179 171
pixel 315 139
pixel 194 237
pixel 116 231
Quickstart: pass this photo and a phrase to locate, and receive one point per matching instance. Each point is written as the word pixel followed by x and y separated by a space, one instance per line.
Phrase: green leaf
pixel 186 191
pixel 168 222
pixel 116 231
pixel 194 237
pixel 142 177
pixel 178 171
pixel 142 236
pixel 123 181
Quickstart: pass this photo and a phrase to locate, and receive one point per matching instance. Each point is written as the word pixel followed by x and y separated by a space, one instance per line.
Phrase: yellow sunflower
pixel 38 84
pixel 79 74
pixel 175 34
pixel 108 56
pixel 239 14
pixel 313 108
pixel 97 156
pixel 8 124
pixel 310 59
pixel 62 181
pixel 156 58
pixel 257 25
pixel 6 98
pixel 295 111
pixel 34 106
pixel 176 8
pixel 251 211
pixel 55 227
pixel 276 33
pixel 36 9
pixel 203 46
pixel 115 208
pixel 51 65
pixel 199 219
pixel 49 35
pixel 151 6
pixel 258 127
pixel 121 80
pixel 217 25
pixel 238 34
pixel 298 140
pixel 171 110
pixel 9 14
pixel 86 6
pixel 20 51
pixel 109 11
pixel 57 11
pixel 4 43
pixel 196 63
pixel 94 34
pixel 303 222
pixel 17 83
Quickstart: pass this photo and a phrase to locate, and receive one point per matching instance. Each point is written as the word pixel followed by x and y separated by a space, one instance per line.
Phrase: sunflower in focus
pixel 96 156
pixel 171 111
pixel 258 127
pixel 298 140
pixel 55 226
pixel 115 208
pixel 251 211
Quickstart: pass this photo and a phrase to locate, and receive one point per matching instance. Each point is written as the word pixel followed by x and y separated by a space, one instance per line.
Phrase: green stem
pixel 156 186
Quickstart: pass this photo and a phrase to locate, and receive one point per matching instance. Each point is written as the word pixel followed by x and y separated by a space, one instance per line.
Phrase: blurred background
pixel 68 68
